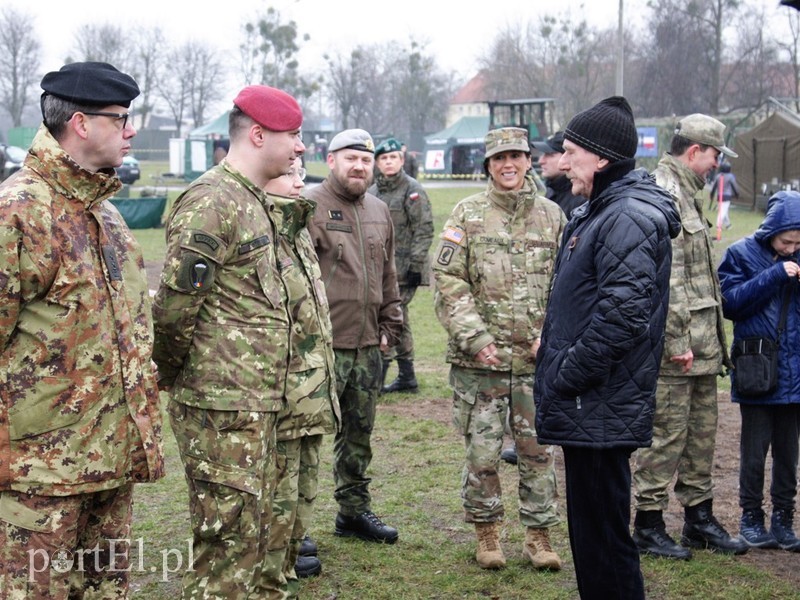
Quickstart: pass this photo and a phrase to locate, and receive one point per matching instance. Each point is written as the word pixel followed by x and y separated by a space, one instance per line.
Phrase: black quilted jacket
pixel 604 328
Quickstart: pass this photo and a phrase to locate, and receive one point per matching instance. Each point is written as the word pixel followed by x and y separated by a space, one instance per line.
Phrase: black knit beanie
pixel 606 129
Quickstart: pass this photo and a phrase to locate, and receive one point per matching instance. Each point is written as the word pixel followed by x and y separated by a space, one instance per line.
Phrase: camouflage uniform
pixel 413 234
pixel 79 414
pixel 686 403
pixel 222 343
pixel 312 408
pixel 492 269
pixel 365 304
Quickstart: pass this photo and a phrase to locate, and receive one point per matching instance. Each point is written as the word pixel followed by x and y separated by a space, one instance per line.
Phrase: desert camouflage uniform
pixel 312 408
pixel 222 343
pixel 492 269
pixel 685 424
pixel 79 414
pixel 413 235
pixel 354 240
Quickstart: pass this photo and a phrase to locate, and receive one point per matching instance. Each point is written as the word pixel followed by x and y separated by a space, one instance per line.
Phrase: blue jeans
pixel 777 426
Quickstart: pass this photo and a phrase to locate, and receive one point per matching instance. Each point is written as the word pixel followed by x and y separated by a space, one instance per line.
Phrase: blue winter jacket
pixel 753 283
pixel 603 334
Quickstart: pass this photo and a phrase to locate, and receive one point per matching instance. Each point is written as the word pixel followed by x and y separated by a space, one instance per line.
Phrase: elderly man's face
pixel 580 165
pixel 390 163
pixel 352 169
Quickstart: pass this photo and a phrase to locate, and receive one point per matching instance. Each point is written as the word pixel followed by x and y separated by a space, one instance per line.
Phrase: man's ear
pixel 79 124
pixel 602 163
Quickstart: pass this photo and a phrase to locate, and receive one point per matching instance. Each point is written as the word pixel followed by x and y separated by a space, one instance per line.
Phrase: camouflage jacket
pixel 492 271
pixel 312 406
pixel 412 219
pixel 694 318
pixel 79 406
pixel 354 240
pixel 221 323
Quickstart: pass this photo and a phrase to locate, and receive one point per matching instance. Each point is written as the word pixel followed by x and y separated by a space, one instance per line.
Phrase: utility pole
pixel 620 53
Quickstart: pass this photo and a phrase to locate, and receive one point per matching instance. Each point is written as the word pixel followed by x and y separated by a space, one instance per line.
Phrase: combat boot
pixel 651 537
pixel 702 530
pixel 510 454
pixel 753 532
pixel 308 547
pixel 307 566
pixel 782 529
pixel 537 549
pixel 406 379
pixel 489 554
pixel 384 370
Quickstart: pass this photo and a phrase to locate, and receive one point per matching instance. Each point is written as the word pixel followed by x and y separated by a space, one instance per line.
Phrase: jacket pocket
pixel 55 402
pixel 14 512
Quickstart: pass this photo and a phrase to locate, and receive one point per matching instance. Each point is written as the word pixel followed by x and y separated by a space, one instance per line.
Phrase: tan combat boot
pixel 489 554
pixel 537 549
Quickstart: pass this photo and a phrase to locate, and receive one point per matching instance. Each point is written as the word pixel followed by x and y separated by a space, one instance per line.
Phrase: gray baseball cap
pixel 704 130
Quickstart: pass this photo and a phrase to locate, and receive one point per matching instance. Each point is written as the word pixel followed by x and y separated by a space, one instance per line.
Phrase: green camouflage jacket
pixel 221 323
pixel 413 222
pixel 492 272
pixel 694 318
pixel 312 406
pixel 79 408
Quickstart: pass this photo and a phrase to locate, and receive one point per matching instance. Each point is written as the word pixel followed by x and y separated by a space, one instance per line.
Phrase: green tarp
pixel 141 213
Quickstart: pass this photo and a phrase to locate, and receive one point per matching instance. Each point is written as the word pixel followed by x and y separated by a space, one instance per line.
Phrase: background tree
pixel 104 43
pixel 20 53
pixel 148 64
pixel 346 83
pixel 268 55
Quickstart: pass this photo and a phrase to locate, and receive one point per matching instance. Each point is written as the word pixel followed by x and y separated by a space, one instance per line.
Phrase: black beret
pixel 92 83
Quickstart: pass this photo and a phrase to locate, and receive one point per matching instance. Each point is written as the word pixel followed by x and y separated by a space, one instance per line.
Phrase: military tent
pixel 457 150
pixel 769 158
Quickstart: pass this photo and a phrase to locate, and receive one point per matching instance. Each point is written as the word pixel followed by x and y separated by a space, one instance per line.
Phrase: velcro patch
pixel 339 227
pixel 259 242
pixel 336 215
pixel 414 196
pixel 446 253
pixel 453 234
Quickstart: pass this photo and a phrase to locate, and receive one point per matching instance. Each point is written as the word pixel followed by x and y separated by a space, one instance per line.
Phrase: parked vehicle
pixel 128 172
pixel 11 158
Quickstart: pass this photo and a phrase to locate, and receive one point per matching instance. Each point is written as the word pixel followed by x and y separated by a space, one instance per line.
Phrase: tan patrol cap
pixel 505 139
pixel 704 130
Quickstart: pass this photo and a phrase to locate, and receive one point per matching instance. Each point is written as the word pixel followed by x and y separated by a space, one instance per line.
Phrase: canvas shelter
pixel 458 149
pixel 769 158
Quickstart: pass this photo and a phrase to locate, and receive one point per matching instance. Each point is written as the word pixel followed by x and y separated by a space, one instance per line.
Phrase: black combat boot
pixel 651 537
pixel 702 530
pixel 307 566
pixel 308 547
pixel 510 454
pixel 384 369
pixel 366 526
pixel 406 380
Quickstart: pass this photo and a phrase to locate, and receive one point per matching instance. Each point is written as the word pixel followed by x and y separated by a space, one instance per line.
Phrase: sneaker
pixel 537 549
pixel 753 532
pixel 307 566
pixel 308 547
pixel 366 526
pixel 782 520
pixel 702 530
pixel 655 541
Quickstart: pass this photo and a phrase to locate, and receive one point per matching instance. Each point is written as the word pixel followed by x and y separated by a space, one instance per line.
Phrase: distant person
pixel 695 355
pixel 413 235
pixel 410 162
pixel 758 275
pixel 353 235
pixel 724 185
pixel 80 421
pixel 221 148
pixel 559 188
pixel 493 267
pixel 222 342
pixel 602 338
pixel 311 408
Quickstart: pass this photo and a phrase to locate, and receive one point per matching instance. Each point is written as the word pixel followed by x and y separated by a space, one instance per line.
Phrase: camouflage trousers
pixel 684 436
pixel 226 457
pixel 483 403
pixel 358 379
pixel 296 484
pixel 404 349
pixel 60 547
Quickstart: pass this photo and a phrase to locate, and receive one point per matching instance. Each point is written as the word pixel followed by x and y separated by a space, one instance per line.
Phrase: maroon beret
pixel 270 107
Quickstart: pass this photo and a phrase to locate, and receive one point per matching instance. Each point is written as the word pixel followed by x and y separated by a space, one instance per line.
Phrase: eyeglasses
pixel 113 115
pixel 299 173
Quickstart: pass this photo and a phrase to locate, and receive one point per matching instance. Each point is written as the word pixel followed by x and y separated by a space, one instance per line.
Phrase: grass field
pixel 416 474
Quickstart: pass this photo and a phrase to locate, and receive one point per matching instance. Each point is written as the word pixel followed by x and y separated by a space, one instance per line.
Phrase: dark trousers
pixel 598 483
pixel 762 427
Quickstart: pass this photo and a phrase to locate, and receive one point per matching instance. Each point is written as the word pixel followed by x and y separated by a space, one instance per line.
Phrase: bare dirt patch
pixel 783 565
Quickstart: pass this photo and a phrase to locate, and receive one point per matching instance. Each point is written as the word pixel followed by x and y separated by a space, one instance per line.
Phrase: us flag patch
pixel 452 234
